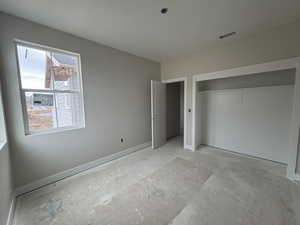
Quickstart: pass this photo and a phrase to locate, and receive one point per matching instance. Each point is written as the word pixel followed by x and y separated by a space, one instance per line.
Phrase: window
pixel 2 125
pixel 51 88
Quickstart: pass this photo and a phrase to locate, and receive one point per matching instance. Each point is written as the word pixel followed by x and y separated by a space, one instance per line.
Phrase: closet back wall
pixel 248 114
pixel 116 87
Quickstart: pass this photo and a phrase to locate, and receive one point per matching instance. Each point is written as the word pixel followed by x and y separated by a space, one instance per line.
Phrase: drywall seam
pixel 73 171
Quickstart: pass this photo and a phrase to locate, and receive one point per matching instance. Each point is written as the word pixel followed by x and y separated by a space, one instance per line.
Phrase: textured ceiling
pixel 136 26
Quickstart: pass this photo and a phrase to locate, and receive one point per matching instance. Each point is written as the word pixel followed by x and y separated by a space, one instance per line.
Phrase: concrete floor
pixel 168 186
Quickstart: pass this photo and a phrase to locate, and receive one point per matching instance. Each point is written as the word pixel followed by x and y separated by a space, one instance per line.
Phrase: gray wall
pixel 6 184
pixel 116 94
pixel 278 43
pixel 173 110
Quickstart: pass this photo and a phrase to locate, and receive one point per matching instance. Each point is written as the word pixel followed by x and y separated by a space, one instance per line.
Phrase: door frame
pixel 291 63
pixel 185 107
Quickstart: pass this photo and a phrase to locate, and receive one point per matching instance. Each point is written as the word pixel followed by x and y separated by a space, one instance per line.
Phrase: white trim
pixel 3 138
pixel 294 177
pixel 43 47
pixel 11 213
pixel 51 91
pixel 292 63
pixel 53 130
pixel 189 147
pixel 73 171
pixel 295 126
pixel 194 96
pixel 2 145
pixel 23 90
pixel 252 69
pixel 152 114
pixel 175 80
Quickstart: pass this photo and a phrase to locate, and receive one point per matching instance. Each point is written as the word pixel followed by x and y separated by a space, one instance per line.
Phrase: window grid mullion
pixel 54 94
pixel 51 91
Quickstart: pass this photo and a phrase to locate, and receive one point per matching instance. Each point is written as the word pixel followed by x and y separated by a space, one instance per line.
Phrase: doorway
pixel 168 111
pixel 175 110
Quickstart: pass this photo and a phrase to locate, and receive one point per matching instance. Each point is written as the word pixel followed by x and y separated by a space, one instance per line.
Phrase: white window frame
pixel 24 90
pixel 3 139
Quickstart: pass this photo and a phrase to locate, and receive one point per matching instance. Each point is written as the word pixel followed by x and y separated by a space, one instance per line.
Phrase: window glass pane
pixel 56 76
pixel 68 109
pixel 65 71
pixel 34 72
pixel 40 111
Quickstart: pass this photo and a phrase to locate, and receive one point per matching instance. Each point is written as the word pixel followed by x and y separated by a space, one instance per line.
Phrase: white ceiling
pixel 136 26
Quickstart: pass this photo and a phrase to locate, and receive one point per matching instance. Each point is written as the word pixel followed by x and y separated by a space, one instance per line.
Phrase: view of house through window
pixel 51 89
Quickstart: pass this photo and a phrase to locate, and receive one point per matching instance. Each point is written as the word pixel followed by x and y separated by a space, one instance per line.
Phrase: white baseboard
pixel 293 177
pixel 73 171
pixel 189 147
pixel 297 177
pixel 11 211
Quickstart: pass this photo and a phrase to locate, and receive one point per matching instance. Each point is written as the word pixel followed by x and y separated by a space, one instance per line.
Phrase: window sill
pixel 53 131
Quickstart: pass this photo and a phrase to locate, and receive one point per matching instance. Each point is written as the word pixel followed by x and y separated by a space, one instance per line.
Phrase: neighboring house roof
pixel 65 59
pixel 63 67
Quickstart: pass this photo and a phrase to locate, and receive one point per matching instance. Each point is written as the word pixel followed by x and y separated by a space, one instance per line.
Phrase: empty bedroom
pixel 149 112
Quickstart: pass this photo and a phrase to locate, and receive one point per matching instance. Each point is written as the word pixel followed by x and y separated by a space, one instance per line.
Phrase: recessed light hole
pixel 164 10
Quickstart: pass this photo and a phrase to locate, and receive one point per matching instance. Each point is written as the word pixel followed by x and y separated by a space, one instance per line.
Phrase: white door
pixel 158 114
